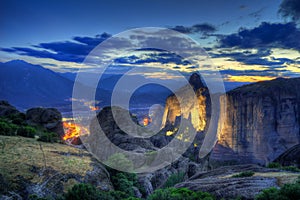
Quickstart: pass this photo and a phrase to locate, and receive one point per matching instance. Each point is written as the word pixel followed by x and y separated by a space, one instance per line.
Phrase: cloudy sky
pixel 246 41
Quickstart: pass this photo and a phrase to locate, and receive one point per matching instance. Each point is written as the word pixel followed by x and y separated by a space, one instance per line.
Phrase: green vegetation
pixel 286 168
pixel 119 161
pixel 286 192
pixel 86 191
pixel 274 165
pixel 49 137
pixel 244 174
pixel 15 125
pixel 174 179
pixel 27 131
pixel 7 128
pixel 178 194
pixel 123 183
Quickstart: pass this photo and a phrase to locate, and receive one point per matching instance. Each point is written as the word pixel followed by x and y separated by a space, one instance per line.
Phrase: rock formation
pixel 221 184
pixel 6 109
pixel 49 118
pixel 291 157
pixel 260 121
pixel 194 110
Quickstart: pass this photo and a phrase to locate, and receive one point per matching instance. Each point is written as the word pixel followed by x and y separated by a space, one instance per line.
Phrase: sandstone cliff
pixel 260 121
pixel 193 110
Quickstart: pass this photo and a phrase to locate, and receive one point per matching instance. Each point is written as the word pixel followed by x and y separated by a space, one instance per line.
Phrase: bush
pixel 122 183
pixel 18 119
pixel 119 160
pixel 291 168
pixel 27 131
pixel 83 191
pixel 287 192
pixel 287 168
pixel 273 165
pixel 7 128
pixel 178 194
pixel 48 137
pixel 174 179
pixel 244 174
pixel 35 197
pixel 89 192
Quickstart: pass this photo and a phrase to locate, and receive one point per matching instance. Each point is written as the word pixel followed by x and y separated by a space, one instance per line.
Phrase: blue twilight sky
pixel 248 41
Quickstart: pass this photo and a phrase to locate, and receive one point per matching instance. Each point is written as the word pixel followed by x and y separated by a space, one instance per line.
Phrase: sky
pixel 247 41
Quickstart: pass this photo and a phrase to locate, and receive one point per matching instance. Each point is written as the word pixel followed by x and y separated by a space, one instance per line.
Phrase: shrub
pixel 35 197
pixel 273 165
pixel 122 183
pixel 84 191
pixel 119 160
pixel 287 192
pixel 19 118
pixel 48 137
pixel 291 168
pixel 89 192
pixel 287 168
pixel 7 128
pixel 178 194
pixel 174 179
pixel 27 131
pixel 244 174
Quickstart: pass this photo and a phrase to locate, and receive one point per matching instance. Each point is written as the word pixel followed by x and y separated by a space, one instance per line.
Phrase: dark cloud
pixel 257 58
pixel 290 9
pixel 163 57
pixel 70 51
pixel 264 36
pixel 203 28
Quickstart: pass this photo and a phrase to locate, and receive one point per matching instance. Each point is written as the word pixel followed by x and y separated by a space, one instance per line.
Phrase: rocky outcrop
pixel 6 109
pixel 114 134
pixel 183 104
pixel 291 157
pixel 49 118
pixel 223 185
pixel 260 121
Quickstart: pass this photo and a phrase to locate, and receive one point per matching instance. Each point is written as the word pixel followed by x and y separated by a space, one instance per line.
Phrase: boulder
pixel 49 118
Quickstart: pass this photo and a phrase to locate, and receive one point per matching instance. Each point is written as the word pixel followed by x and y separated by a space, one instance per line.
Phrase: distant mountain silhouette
pixel 26 85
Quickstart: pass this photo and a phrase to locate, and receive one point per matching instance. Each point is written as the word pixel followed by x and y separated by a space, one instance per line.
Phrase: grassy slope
pixel 21 156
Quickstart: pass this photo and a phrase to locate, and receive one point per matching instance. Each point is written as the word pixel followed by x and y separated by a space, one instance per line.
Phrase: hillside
pixel 32 167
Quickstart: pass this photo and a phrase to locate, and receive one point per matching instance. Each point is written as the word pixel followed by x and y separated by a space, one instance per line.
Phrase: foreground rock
pixel 220 182
pixel 291 157
pixel 259 121
pixel 150 180
pixel 49 118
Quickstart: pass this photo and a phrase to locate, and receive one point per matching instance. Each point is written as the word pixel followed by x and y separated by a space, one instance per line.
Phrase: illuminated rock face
pixel 260 121
pixel 193 109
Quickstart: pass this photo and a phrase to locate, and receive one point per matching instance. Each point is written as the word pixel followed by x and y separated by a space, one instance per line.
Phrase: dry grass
pixel 282 177
pixel 20 155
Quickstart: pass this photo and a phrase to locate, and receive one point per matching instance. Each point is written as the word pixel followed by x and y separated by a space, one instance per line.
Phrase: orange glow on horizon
pixel 250 79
